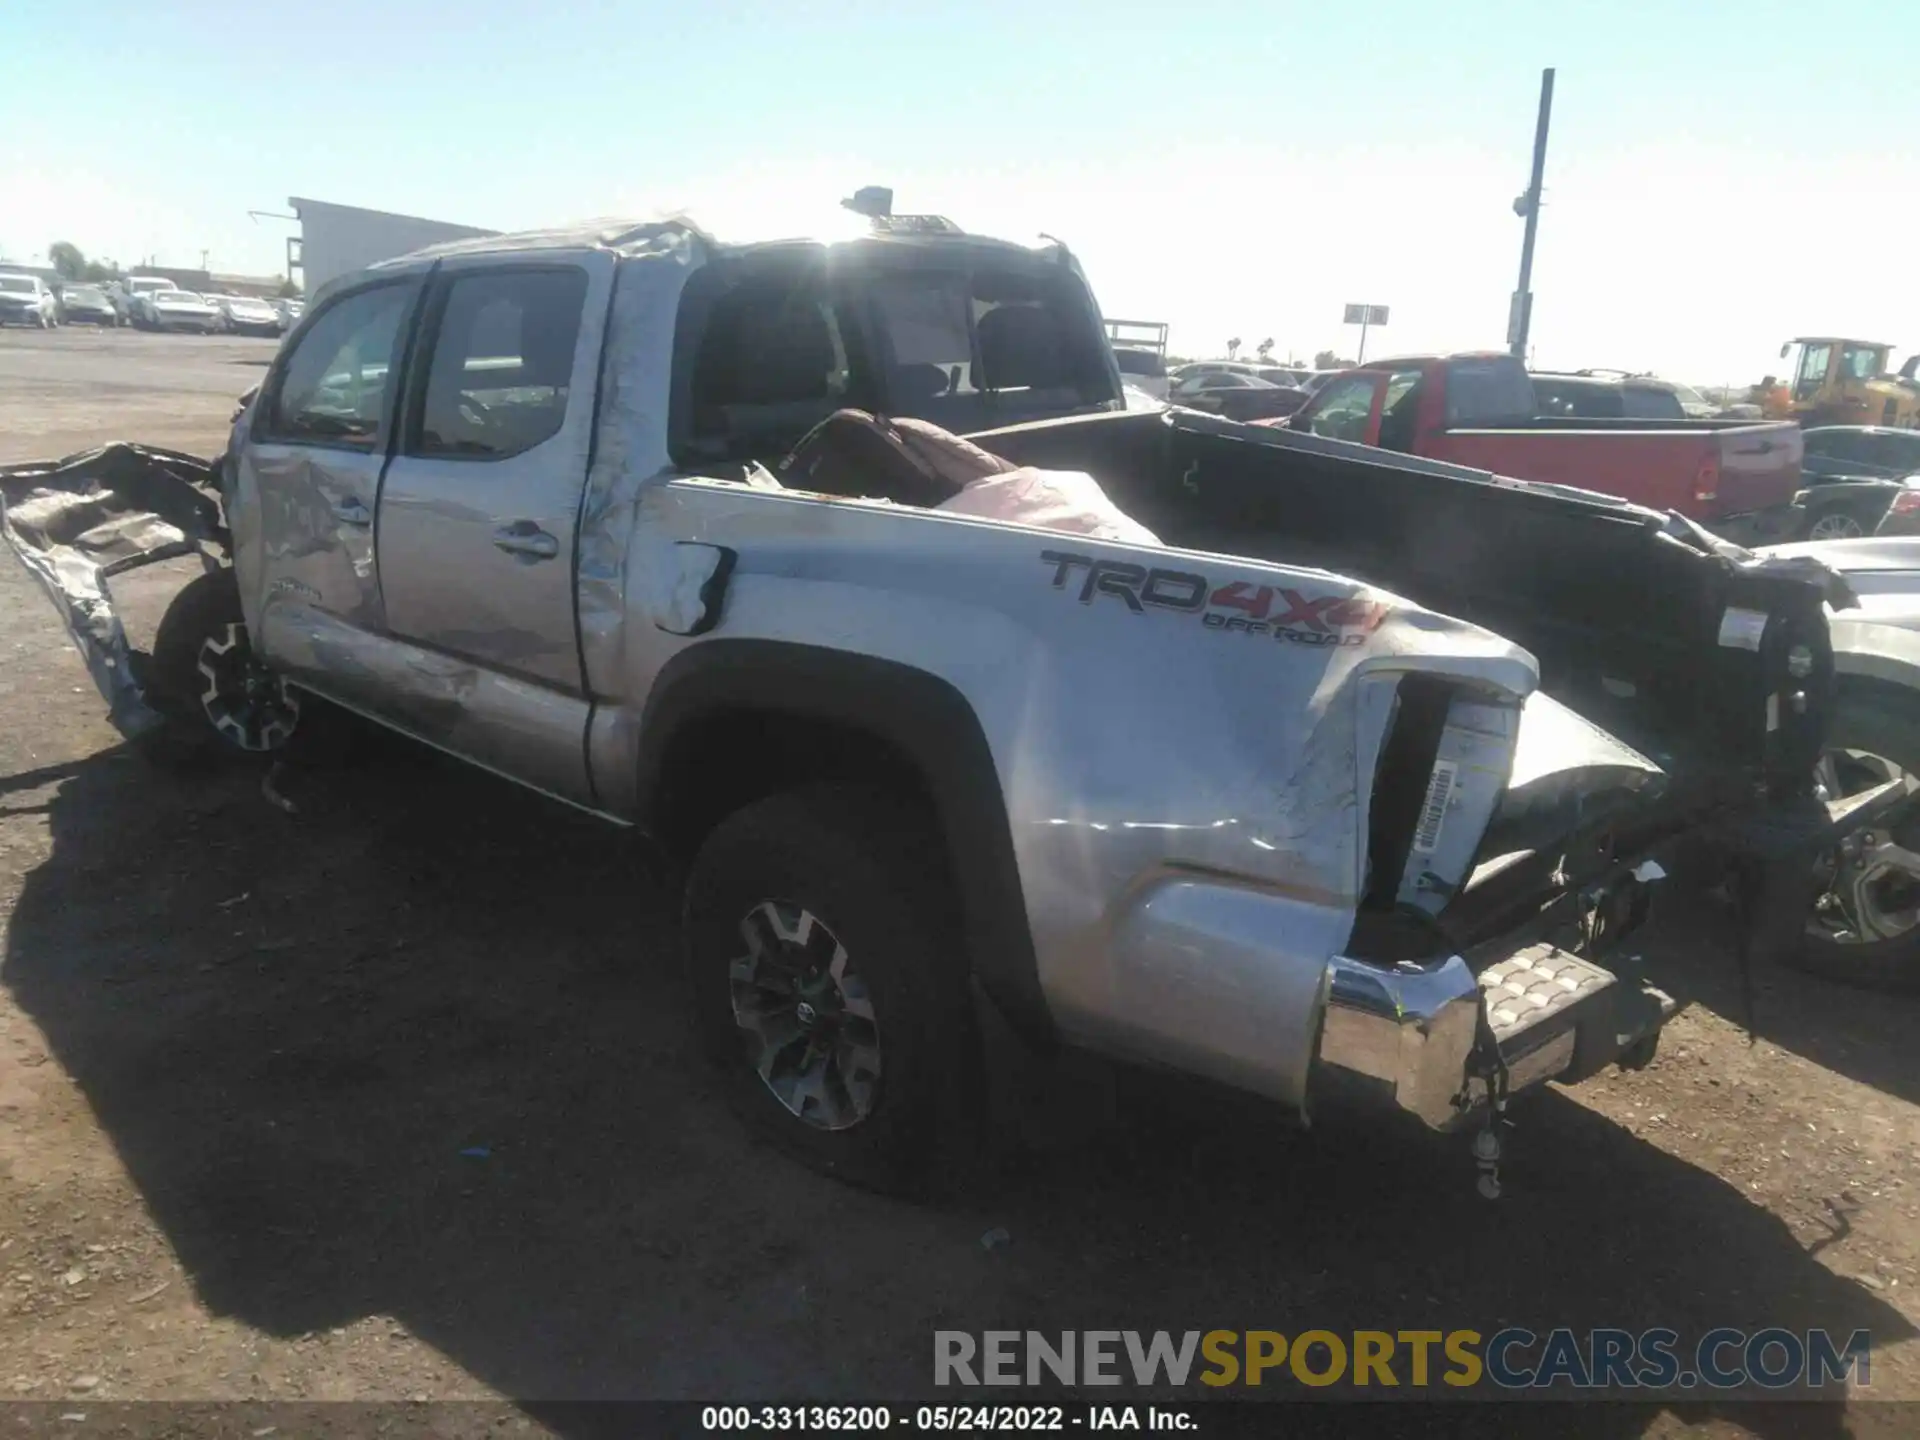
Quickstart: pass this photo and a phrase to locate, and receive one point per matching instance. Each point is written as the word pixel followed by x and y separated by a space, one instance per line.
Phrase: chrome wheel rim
pixel 806 1015
pixel 1836 525
pixel 1870 881
pixel 248 705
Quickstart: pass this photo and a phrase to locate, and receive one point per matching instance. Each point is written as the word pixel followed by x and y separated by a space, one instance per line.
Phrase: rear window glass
pixel 1650 402
pixel 1488 392
pixel 988 346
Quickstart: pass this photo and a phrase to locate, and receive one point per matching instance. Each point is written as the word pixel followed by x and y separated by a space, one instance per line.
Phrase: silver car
pixel 182 310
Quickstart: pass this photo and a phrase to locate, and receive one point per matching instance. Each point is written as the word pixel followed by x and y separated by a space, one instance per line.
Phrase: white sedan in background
pixel 181 310
pixel 246 315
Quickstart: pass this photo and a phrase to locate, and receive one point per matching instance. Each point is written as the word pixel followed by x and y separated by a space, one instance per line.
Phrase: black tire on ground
pixel 207 608
pixel 871 871
pixel 1885 721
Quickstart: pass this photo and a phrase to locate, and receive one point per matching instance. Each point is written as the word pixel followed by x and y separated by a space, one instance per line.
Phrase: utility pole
pixel 1520 313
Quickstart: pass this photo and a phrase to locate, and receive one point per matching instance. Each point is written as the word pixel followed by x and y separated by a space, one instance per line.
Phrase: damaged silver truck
pixel 1352 779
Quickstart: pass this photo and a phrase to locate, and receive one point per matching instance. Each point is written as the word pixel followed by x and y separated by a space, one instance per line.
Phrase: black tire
pixel 202 627
pixel 871 872
pixel 1883 721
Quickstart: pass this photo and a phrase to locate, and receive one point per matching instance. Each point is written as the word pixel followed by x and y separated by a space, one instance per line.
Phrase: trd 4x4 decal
pixel 1237 606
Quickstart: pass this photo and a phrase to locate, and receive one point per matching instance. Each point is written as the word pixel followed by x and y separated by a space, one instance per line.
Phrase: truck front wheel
pixel 829 984
pixel 206 681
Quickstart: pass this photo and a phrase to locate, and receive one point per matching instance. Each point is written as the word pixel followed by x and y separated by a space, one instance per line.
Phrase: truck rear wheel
pixel 1865 925
pixel 829 985
pixel 207 683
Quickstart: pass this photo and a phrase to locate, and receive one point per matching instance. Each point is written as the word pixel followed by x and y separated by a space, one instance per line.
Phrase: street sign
pixel 1366 315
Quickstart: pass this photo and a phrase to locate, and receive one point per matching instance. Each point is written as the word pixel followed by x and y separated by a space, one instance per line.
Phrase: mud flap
pixel 76 523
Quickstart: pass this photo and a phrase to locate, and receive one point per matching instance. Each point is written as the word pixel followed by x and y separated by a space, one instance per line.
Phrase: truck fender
pixel 903 712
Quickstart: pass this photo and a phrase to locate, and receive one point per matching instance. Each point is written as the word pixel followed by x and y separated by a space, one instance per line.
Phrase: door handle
pixel 526 540
pixel 351 512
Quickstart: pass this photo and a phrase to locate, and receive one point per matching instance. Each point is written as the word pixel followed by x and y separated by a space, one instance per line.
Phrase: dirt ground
pixel 394 1097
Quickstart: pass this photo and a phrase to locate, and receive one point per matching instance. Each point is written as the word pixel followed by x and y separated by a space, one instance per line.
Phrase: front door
pixel 478 511
pixel 310 473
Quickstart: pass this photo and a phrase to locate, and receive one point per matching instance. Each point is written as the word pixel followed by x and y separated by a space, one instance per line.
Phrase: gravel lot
pixel 393 1098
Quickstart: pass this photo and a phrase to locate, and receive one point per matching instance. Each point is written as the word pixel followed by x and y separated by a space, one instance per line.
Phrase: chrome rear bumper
pixel 1437 1040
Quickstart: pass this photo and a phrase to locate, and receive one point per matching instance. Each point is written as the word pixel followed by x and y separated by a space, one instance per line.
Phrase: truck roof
pixel 1395 362
pixel 632 236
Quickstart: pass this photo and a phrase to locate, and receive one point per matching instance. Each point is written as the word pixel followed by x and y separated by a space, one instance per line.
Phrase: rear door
pixel 478 512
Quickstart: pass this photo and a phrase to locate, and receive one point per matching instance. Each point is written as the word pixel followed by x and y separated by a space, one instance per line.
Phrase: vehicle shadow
pixel 1864 1035
pixel 419 1051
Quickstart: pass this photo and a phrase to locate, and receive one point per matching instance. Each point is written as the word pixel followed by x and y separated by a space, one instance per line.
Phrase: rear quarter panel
pixel 1139 738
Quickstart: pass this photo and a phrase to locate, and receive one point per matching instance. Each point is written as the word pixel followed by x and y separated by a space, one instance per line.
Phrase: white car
pixel 246 315
pixel 181 310
pixel 26 300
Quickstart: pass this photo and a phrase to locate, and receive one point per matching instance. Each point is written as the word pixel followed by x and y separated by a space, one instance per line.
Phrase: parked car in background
pixel 1236 396
pixel 289 312
pixel 182 310
pixel 1847 508
pixel 1287 375
pixel 1861 450
pixel 26 300
pixel 1479 409
pixel 86 305
pixel 133 294
pixel 247 315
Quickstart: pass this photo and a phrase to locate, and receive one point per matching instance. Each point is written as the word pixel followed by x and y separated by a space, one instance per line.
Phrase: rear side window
pixel 1494 391
pixel 766 357
pixel 501 366
pixel 334 387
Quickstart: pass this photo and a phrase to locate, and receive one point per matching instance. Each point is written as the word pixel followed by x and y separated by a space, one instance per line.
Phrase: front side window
pixel 1343 409
pixel 502 363
pixel 334 387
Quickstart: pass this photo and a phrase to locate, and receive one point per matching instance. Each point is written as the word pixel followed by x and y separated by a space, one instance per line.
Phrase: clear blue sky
pixel 1721 176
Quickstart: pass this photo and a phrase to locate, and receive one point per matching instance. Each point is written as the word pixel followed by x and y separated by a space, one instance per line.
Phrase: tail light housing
pixel 1907 502
pixel 1706 481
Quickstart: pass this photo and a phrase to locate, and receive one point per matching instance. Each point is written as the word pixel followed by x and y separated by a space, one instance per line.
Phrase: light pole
pixel 1520 313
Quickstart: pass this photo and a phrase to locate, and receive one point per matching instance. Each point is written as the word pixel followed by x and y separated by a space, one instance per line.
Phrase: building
pixel 339 239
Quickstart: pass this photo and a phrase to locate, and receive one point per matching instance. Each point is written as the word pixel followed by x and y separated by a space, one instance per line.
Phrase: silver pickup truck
pixel 1274 822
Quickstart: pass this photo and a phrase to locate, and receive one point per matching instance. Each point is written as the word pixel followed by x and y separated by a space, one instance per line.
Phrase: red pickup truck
pixel 1736 477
